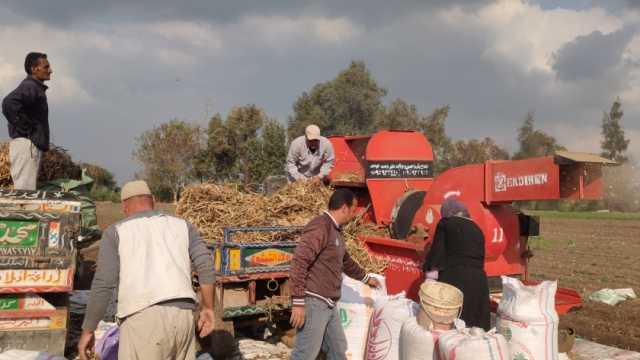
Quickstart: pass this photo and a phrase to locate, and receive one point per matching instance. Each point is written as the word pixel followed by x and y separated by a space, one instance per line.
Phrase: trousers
pixel 159 333
pixel 322 330
pixel 25 163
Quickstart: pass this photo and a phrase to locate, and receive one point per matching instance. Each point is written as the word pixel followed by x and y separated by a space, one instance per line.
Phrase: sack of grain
pixel 355 308
pixel 416 343
pixel 472 344
pixel 528 320
pixel 389 313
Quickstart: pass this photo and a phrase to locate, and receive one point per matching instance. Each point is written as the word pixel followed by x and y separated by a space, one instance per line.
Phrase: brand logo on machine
pixel 270 257
pixel 502 182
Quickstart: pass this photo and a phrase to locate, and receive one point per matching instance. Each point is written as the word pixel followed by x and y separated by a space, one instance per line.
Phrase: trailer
pixel 252 283
pixel 38 230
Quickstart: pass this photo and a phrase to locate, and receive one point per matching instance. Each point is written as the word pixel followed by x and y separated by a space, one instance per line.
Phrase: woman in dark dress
pixel 456 257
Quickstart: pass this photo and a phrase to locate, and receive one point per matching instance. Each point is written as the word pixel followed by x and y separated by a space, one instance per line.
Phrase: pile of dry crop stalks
pixel 212 207
pixel 56 164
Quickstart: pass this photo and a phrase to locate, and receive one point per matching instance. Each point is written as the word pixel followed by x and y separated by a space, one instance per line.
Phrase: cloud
pixel 591 56
pixel 141 63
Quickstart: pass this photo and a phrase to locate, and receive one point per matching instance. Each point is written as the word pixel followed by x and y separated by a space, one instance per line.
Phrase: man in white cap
pixel 148 257
pixel 310 156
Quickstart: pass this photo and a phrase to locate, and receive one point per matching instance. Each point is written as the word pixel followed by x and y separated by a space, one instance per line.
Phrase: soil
pixel 589 255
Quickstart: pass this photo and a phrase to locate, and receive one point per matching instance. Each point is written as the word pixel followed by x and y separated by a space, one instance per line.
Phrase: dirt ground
pixel 588 255
pixel 585 255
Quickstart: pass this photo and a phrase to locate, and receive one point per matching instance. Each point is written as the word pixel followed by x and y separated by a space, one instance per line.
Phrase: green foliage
pixel 398 116
pixel 274 148
pixel 166 153
pixel 613 143
pixel 534 143
pixel 101 176
pixel 346 105
pixel 475 152
pixel 102 193
pixel 247 144
pixel 433 127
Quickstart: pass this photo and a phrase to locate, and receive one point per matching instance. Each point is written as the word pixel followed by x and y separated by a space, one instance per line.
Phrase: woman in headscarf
pixel 456 257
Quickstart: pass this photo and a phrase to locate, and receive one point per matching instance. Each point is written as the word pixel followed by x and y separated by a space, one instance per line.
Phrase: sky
pixel 122 67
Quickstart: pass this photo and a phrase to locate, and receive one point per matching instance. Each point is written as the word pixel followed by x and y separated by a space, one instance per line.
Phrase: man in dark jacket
pixel 27 112
pixel 316 277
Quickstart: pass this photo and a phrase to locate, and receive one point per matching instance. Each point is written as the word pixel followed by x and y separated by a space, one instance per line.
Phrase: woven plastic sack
pixel 355 308
pixel 528 319
pixel 389 313
pixel 416 343
pixel 472 344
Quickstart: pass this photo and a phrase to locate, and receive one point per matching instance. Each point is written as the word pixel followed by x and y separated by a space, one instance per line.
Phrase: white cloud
pixel 527 35
pixel 65 87
pixel 284 31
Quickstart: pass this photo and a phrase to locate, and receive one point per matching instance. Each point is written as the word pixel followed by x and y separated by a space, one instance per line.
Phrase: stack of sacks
pixel 355 308
pixel 528 320
pixel 389 314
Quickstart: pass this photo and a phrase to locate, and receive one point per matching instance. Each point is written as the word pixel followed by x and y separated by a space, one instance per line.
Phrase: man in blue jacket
pixel 27 112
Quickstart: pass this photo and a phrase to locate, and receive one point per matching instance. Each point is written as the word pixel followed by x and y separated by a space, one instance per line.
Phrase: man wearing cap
pixel 310 156
pixel 148 257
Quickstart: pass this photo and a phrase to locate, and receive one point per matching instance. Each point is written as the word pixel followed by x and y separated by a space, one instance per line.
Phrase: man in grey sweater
pixel 148 257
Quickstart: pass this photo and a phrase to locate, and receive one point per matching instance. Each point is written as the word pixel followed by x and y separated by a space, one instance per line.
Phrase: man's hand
pixel 374 282
pixel 297 317
pixel 316 180
pixel 206 322
pixel 85 345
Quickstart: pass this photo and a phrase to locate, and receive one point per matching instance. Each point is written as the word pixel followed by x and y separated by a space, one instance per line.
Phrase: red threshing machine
pixel 392 174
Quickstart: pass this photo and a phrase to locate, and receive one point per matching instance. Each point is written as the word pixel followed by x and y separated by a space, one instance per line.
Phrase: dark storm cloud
pixel 591 56
pixel 68 12
pixel 143 63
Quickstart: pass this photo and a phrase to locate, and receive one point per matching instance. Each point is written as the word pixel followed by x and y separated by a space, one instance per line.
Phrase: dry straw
pixel 212 207
pixel 56 164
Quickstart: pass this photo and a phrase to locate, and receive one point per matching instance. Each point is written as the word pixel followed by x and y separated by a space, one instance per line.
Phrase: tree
pixel 346 105
pixel 101 176
pixel 476 152
pixel 166 153
pixel 274 148
pixel 247 143
pixel 614 144
pixel 534 143
pixel 398 116
pixel 433 127
pixel 220 149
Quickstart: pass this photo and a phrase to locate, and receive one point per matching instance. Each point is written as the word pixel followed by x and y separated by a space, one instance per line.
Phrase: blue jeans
pixel 322 330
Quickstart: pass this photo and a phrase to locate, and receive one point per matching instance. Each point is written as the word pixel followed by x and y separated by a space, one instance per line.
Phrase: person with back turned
pixel 27 113
pixel 456 257
pixel 148 257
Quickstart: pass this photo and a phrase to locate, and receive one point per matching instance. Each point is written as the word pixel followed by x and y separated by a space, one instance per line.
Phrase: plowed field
pixel 588 255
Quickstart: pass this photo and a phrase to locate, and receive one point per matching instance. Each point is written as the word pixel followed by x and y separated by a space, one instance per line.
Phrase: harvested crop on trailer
pixel 212 207
pixel 5 166
pixel 56 164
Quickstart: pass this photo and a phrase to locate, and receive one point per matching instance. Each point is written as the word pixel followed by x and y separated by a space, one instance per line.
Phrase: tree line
pixel 247 145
